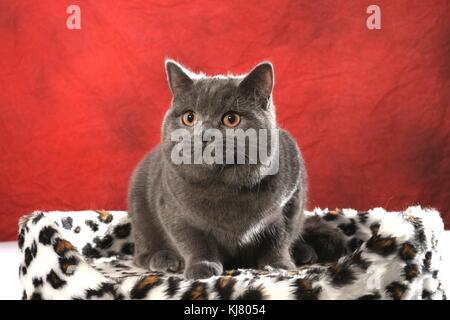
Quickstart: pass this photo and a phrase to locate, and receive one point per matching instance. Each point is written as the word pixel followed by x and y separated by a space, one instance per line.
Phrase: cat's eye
pixel 231 119
pixel 189 118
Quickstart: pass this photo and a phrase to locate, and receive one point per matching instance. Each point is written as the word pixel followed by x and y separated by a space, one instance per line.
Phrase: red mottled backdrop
pixel 79 108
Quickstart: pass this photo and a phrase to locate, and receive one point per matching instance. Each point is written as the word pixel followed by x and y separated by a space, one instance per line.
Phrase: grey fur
pixel 197 217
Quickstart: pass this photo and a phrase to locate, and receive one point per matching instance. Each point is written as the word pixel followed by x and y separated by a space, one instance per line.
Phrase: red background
pixel 79 108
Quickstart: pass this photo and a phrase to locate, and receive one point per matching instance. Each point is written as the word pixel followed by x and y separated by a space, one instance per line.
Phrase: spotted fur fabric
pixel 88 255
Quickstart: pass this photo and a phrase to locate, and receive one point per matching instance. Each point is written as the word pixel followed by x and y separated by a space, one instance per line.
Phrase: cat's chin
pixel 241 175
pixel 235 175
pixel 232 175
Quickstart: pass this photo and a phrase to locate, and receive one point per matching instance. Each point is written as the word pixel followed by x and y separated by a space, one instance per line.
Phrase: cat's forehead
pixel 216 85
pixel 210 94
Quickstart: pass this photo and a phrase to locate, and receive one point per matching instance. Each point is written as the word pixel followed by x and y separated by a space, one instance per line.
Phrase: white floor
pixel 9 271
pixel 9 275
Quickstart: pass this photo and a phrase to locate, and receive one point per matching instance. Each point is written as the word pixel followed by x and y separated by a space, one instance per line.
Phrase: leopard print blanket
pixel 88 255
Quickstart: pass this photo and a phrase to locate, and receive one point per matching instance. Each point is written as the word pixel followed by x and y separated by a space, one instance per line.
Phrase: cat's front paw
pixel 303 254
pixel 166 260
pixel 203 270
pixel 285 263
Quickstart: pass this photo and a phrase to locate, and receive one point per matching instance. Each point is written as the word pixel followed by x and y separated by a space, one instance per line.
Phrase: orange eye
pixel 189 118
pixel 231 119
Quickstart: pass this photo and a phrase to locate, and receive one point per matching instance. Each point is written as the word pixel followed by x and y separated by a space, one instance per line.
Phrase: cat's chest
pixel 238 216
pixel 242 234
pixel 230 206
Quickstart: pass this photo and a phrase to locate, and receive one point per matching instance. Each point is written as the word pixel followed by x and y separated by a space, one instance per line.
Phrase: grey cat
pixel 206 218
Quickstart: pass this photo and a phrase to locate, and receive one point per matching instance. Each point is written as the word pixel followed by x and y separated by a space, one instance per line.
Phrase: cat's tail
pixel 318 242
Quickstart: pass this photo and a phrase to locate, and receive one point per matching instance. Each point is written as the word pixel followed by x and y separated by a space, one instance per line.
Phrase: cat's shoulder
pixel 288 141
pixel 290 155
pixel 150 162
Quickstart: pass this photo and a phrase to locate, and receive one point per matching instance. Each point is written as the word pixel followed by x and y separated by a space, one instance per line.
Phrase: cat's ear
pixel 177 76
pixel 259 81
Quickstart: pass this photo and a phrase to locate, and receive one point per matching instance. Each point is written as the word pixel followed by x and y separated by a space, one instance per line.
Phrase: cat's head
pixel 214 107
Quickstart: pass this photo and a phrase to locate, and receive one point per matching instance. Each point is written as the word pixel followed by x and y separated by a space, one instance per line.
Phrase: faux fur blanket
pixel 88 255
